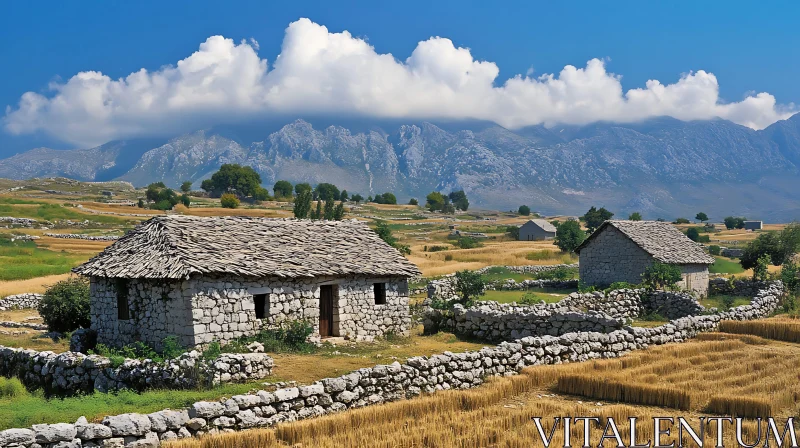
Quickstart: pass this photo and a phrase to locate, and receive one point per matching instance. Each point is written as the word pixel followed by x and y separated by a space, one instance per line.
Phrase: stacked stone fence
pixel 71 373
pixel 378 384
pixel 444 288
pixel 78 236
pixel 24 222
pixel 20 301
pixel 722 286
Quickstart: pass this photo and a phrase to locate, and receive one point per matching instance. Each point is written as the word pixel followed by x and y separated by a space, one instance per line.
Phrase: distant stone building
pixel 216 279
pixel 620 251
pixel 753 225
pixel 537 229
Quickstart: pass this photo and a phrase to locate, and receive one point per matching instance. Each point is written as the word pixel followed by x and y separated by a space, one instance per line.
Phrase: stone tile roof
pixel 178 246
pixel 662 240
pixel 546 226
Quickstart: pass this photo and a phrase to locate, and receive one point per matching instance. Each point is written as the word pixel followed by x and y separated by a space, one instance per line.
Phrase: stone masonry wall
pixel 72 373
pixel 20 301
pixel 378 384
pixel 695 279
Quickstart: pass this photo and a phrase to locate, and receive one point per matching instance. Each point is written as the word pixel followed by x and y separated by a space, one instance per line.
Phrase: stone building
pixel 216 279
pixel 753 225
pixel 537 229
pixel 620 251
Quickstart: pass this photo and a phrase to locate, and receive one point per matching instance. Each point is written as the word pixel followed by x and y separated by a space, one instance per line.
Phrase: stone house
pixel 219 278
pixel 620 251
pixel 537 229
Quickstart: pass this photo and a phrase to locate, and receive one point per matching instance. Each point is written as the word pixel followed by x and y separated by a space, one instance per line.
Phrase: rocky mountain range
pixel 661 167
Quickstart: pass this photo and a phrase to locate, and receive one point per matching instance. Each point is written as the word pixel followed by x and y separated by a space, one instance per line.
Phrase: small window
pixel 123 307
pixel 261 305
pixel 380 293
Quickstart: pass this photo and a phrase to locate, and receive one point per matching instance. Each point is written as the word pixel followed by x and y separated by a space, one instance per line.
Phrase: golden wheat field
pixel 778 328
pixel 718 374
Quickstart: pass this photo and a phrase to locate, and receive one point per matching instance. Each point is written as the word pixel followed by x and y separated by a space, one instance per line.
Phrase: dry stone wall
pixel 20 301
pixel 79 236
pixel 71 373
pixel 378 384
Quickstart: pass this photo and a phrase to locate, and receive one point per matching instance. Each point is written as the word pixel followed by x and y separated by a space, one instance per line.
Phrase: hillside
pixel 660 167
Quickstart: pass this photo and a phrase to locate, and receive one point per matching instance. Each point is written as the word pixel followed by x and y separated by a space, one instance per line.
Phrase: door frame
pixel 328 305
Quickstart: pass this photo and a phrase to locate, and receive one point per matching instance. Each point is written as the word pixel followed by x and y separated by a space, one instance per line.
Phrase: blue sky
pixel 749 47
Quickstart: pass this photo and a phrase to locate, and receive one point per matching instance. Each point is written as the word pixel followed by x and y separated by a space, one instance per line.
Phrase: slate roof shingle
pixel 662 240
pixel 546 226
pixel 178 246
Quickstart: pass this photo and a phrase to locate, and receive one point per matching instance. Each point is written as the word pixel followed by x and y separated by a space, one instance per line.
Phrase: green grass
pixel 22 260
pixel 549 295
pixel 718 301
pixel 29 408
pixel 502 273
pixel 725 266
pixel 53 212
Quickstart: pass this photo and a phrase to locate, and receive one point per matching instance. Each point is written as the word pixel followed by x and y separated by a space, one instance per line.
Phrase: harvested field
pixel 781 329
pixel 38 284
pixel 498 414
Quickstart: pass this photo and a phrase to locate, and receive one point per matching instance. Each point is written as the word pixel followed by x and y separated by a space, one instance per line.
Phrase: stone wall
pixel 694 278
pixel 201 310
pixel 381 383
pixel 79 236
pixel 71 373
pixel 723 286
pixel 20 301
pixel 444 288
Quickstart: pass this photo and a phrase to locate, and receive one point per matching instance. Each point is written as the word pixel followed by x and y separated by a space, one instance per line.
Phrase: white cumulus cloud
pixel 318 71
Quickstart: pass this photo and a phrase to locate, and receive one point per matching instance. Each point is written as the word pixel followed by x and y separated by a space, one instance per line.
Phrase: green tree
pixel 385 233
pixel 714 249
pixel 233 178
pixel 693 234
pixel 469 285
pixel 661 276
pixel 186 186
pixel 524 210
pixel 595 217
pixel 186 200
pixel 789 277
pixel 569 236
pixel 635 216
pixel 769 244
pixel 681 221
pixel 326 191
pixel 261 194
pixel 732 222
pixel 317 213
pixel 513 231
pixel 229 200
pixel 302 204
pixel 435 201
pixel 65 305
pixel 385 198
pixel 282 189
pixel 459 200
pixel 328 211
pixel 163 197
pixel 344 196
pixel 301 187
pixel 413 201
pixel 761 269
pixel 357 198
pixel 338 212
pixel 702 217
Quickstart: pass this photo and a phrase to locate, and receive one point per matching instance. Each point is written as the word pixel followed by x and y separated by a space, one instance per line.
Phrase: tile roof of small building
pixel 178 246
pixel 546 226
pixel 662 240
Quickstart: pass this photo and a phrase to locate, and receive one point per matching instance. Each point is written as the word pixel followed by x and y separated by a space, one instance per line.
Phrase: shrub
pixel 714 250
pixel 584 288
pixel 170 349
pixel 559 273
pixel 469 285
pixel 448 257
pixel 682 221
pixel 436 248
pixel 229 200
pixel 529 298
pixel 513 231
pixel 789 272
pixel 661 276
pixel 621 285
pixel 524 210
pixel 569 236
pixel 12 388
pixel 760 270
pixel 65 305
pixel 468 243
pixel 213 351
pixel 413 201
pixel 727 302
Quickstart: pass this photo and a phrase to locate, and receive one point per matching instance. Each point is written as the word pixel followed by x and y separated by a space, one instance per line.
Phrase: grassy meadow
pixel 23 260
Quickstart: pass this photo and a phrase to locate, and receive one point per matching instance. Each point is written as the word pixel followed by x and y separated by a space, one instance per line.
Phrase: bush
pixel 65 305
pixel 529 298
pixel 12 388
pixel 661 276
pixel 413 201
pixel 760 270
pixel 524 210
pixel 436 248
pixel 621 285
pixel 513 231
pixel 468 243
pixel 569 236
pixel 789 272
pixel 682 221
pixel 228 200
pixel 170 349
pixel 714 250
pixel 448 257
pixel 727 302
pixel 559 273
pixel 469 285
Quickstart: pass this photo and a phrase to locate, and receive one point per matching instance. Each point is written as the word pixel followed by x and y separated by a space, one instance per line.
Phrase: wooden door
pixel 326 311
